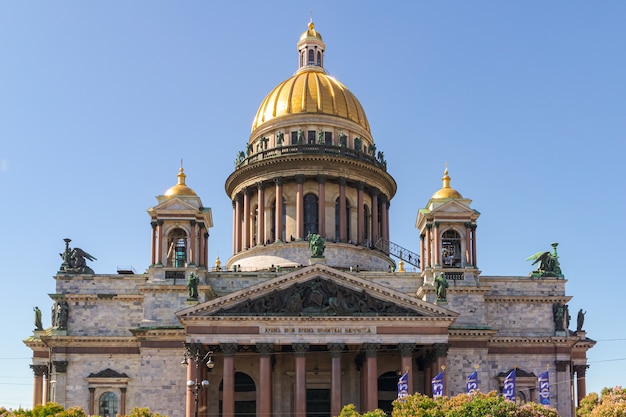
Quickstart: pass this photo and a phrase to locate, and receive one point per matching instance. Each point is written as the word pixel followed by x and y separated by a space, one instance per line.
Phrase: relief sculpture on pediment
pixel 318 297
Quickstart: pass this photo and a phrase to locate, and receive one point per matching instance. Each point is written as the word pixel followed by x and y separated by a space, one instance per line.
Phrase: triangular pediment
pixel 174 204
pixel 454 206
pixel 319 291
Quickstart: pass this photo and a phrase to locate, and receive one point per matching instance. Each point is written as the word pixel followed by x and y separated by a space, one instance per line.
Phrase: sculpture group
pixel 75 260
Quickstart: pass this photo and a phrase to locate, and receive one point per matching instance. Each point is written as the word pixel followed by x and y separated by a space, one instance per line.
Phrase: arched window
pixel 311 206
pixel 108 405
pixel 177 248
pixel 337 227
pixel 451 249
pixel 319 59
pixel 255 223
pixel 311 57
pixel 366 225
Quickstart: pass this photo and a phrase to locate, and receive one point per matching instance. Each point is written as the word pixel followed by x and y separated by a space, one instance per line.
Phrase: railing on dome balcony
pixel 398 251
pixel 312 149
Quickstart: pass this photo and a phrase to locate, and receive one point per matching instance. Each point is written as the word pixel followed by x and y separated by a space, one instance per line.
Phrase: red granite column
pixel 406 365
pixel 468 243
pixel 335 349
pixel 581 383
pixel 193 243
pixel 474 255
pixel 371 364
pixel 429 245
pixel 237 225
pixel 278 221
pixel 437 245
pixel 38 372
pixel 299 408
pixel 343 225
pixel 441 352
pixel 246 218
pixel 384 207
pixel 160 247
pixel 321 208
pixel 228 395
pixel 375 222
pixel 299 207
pixel 265 384
pixel 189 398
pixel 422 249
pixel 153 243
pixel 92 401
pixel 260 233
pixel 360 214
pixel 123 401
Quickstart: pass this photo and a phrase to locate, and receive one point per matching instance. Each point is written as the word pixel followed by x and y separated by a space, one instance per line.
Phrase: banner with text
pixel 438 385
pixel 544 388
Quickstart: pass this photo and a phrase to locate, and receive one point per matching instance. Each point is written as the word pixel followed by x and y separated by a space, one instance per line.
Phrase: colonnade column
pixel 260 220
pixel 265 370
pixel 300 350
pixel 278 221
pixel 336 350
pixel 189 398
pixel 406 358
pixel 468 244
pixel 92 401
pixel 38 371
pixel 343 227
pixel 371 364
pixel 441 361
pixel 237 225
pixel 581 383
pixel 436 245
pixel 246 218
pixel 429 245
pixel 123 401
pixel 375 222
pixel 474 245
pixel 193 244
pixel 160 247
pixel 422 257
pixel 321 205
pixel 360 215
pixel 153 224
pixel 228 395
pixel 384 206
pixel 299 207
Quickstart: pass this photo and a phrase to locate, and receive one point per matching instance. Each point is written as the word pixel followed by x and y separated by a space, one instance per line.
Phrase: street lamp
pixel 194 352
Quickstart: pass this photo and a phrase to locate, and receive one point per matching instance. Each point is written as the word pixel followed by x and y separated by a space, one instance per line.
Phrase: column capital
pixel 441 349
pixel 160 222
pixel 406 349
pixel 437 223
pixel 300 349
pixel 474 226
pixel 336 349
pixel 60 366
pixel 429 226
pixel 192 222
pixel 342 181
pixel 321 179
pixel 278 180
pixel 299 179
pixel 228 349
pixel 360 186
pixel 153 223
pixel 371 349
pixel 259 185
pixel 467 225
pixel 39 370
pixel 562 366
pixel 265 349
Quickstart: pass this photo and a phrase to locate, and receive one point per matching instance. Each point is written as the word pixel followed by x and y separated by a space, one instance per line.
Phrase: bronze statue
pixel 560 316
pixel 317 244
pixel 580 320
pixel 280 137
pixel 548 263
pixel 300 136
pixel 441 287
pixel 192 286
pixel 74 260
pixel 62 314
pixel 38 325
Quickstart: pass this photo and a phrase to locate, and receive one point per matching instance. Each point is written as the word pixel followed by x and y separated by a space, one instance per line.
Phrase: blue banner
pixel 472 382
pixel 509 391
pixel 544 388
pixel 403 385
pixel 438 385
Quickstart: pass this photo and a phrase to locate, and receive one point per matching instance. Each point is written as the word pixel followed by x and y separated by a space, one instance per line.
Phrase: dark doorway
pixel 318 402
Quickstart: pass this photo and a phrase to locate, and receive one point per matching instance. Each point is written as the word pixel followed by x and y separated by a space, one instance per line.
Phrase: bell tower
pixel 447 234
pixel 180 229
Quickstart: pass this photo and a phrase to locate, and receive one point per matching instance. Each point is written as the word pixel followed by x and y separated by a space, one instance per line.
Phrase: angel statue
pixel 74 260
pixel 548 263
pixel 317 244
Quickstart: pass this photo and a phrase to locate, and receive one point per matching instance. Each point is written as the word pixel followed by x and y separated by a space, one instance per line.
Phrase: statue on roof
pixel 192 286
pixel 38 325
pixel 317 244
pixel 75 260
pixel 548 263
pixel 441 286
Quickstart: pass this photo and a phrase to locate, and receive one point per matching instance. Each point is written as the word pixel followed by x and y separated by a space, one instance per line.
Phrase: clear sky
pixel 525 101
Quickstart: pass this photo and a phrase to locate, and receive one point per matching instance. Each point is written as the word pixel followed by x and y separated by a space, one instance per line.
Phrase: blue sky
pixel 99 102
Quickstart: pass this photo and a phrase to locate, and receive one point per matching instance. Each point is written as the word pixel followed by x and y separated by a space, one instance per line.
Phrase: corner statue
pixel 74 260
pixel 548 263
pixel 38 325
pixel 441 287
pixel 192 286
pixel 317 244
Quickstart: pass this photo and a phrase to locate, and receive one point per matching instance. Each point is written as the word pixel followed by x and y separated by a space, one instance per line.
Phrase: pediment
pixel 320 291
pixel 174 204
pixel 454 206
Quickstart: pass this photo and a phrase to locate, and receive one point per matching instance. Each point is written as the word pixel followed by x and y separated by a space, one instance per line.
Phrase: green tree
pixel 612 403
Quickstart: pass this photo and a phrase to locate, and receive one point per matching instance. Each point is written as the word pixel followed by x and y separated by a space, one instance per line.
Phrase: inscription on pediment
pixel 320 297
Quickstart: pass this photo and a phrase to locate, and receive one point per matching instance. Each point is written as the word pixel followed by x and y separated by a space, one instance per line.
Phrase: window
pixel 310 137
pixel 284 231
pixel 337 225
pixel 451 249
pixel 311 57
pixel 366 225
pixel 328 138
pixel 319 59
pixel 311 214
pixel 108 404
pixel 177 248
pixel 294 138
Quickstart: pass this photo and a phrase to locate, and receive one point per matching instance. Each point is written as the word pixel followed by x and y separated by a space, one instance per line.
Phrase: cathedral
pixel 316 308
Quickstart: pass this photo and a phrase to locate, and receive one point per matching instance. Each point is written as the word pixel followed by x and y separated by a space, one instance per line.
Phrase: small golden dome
pixel 180 188
pixel 311 33
pixel 310 91
pixel 446 191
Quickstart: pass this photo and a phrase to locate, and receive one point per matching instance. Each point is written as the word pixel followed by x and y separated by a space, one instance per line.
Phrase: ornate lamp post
pixel 195 354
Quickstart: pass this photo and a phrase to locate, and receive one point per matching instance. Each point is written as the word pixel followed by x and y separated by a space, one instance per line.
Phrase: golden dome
pixel 311 33
pixel 310 91
pixel 446 191
pixel 180 188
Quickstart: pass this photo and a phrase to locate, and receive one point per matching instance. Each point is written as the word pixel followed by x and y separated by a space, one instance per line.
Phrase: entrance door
pixel 318 402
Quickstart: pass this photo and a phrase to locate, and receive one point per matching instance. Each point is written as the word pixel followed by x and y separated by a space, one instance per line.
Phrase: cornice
pixel 527 299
